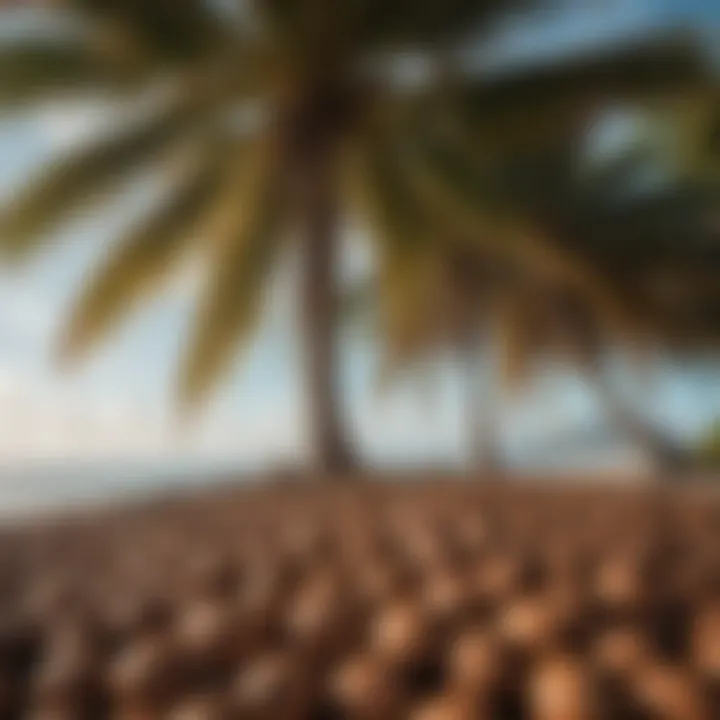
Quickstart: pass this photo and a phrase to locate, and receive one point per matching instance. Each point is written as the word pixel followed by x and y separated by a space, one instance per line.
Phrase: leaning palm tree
pixel 640 273
pixel 269 116
pixel 521 318
pixel 655 249
pixel 493 313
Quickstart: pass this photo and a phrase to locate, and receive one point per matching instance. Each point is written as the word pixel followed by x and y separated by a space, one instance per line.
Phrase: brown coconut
pixel 274 685
pixel 402 632
pixel 142 677
pixel 451 706
pixel 199 708
pixel 670 692
pixel 562 688
pixel 363 688
pixel 476 661
pixel 528 624
pixel 706 643
pixel 622 651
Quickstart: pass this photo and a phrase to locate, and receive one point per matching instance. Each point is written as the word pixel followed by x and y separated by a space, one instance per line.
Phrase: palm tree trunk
pixel 667 455
pixel 482 420
pixel 331 455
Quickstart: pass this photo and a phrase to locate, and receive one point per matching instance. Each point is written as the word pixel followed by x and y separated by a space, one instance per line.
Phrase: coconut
pixel 447 707
pixel 142 676
pixel 562 688
pixel 476 661
pixel 528 624
pixel 402 632
pixel 706 643
pixel 320 617
pixel 362 688
pixel 205 631
pixel 669 692
pixel 618 585
pixel 497 577
pixel 446 595
pixel 274 685
pixel 199 708
pixel 622 651
pixel 376 580
pixel 65 678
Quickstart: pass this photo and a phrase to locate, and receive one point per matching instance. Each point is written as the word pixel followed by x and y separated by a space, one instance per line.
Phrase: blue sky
pixel 120 403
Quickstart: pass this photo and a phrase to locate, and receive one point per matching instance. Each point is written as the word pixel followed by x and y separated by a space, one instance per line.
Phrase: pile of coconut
pixel 441 601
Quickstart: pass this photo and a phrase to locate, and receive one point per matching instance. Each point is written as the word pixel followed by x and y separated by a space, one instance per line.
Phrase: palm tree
pixel 638 272
pixel 495 314
pixel 269 115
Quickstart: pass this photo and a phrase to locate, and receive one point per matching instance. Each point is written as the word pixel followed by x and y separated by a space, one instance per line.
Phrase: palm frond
pixel 232 303
pixel 172 31
pixel 384 203
pixel 82 176
pixel 660 67
pixel 688 137
pixel 144 257
pixel 402 23
pixel 283 19
pixel 402 234
pixel 456 190
pixel 36 68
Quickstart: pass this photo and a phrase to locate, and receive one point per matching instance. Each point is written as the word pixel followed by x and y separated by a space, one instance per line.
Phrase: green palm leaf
pixel 83 176
pixel 143 258
pixel 402 234
pixel 168 30
pixel 398 23
pixel 385 200
pixel 688 142
pixel 452 186
pixel 231 305
pixel 36 68
pixel 643 71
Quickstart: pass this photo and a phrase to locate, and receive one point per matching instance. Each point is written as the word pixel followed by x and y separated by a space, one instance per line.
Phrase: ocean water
pixel 33 491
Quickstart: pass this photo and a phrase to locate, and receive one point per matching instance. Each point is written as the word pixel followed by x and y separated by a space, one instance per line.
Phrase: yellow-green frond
pixel 144 257
pixel 35 68
pixel 641 71
pixel 232 303
pixel 689 130
pixel 461 193
pixel 387 203
pixel 83 176
pixel 395 222
pixel 167 30
pixel 555 263
pixel 453 186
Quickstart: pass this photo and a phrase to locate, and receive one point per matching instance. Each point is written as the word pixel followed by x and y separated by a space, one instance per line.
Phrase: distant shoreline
pixel 170 486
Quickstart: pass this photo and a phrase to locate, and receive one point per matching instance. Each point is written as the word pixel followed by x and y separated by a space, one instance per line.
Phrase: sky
pixel 119 405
